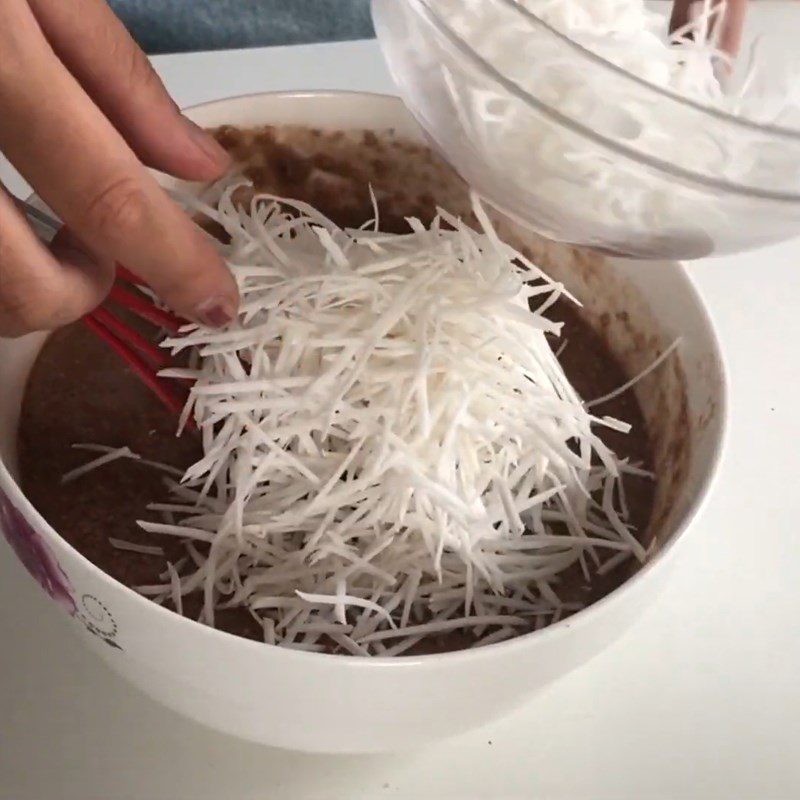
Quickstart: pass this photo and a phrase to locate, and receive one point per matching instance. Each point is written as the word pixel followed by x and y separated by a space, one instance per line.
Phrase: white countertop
pixel 699 700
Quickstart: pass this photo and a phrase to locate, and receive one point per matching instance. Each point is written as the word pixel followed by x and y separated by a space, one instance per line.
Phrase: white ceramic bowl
pixel 323 703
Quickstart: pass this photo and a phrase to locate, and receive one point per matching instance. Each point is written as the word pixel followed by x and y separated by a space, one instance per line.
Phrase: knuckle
pixel 138 69
pixel 22 305
pixel 117 209
pixel 31 302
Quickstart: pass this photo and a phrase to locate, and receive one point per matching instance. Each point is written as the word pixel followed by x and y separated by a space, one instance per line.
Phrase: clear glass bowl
pixel 689 181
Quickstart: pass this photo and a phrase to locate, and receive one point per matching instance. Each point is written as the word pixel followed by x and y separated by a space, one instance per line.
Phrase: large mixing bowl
pixel 333 703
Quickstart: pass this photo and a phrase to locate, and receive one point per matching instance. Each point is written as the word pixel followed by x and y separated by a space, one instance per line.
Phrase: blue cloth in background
pixel 171 26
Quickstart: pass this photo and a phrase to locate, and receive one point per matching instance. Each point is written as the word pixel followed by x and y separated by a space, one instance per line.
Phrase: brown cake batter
pixel 80 392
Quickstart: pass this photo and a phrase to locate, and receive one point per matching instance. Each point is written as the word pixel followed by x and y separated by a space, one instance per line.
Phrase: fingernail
pixel 215 312
pixel 207 143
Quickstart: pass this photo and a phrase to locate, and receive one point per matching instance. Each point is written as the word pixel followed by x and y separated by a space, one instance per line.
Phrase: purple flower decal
pixel 33 552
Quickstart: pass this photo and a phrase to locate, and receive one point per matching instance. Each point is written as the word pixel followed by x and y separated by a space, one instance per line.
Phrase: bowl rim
pixel 629 153
pixel 581 618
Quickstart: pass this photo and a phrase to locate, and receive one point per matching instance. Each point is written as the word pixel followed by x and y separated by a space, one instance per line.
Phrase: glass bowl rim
pixel 424 9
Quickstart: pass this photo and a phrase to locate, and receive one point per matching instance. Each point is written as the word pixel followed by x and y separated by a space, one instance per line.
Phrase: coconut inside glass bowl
pixel 583 122
pixel 330 145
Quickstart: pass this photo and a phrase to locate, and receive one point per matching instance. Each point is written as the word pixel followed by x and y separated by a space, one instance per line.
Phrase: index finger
pixel 95 47
pixel 82 167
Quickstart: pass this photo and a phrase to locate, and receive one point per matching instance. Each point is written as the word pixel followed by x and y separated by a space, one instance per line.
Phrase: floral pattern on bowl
pixel 38 559
pixel 35 554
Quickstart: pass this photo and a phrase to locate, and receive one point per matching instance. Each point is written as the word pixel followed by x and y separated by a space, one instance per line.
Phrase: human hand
pixel 81 114
pixel 730 37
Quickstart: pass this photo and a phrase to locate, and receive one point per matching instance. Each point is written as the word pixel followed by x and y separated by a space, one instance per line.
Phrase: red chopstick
pixel 156 356
pixel 145 309
pixel 168 393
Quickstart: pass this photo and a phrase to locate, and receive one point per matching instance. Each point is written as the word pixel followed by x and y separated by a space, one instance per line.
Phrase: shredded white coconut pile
pixel 599 196
pixel 391 448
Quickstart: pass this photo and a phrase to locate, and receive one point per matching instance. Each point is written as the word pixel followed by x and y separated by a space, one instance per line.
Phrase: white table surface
pixel 699 700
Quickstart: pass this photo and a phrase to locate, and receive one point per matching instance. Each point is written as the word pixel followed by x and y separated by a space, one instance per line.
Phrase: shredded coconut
pixel 391 449
pixel 109 456
pixel 133 547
